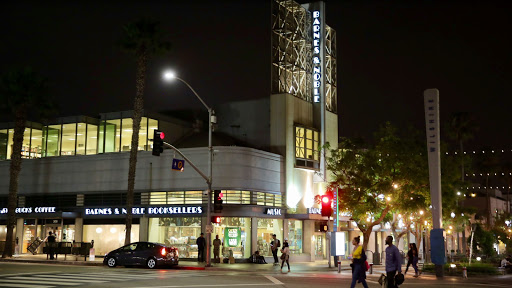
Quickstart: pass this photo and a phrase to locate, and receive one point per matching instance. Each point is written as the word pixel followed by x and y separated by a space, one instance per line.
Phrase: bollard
pixel 464 272
pixel 339 266
pixel 371 268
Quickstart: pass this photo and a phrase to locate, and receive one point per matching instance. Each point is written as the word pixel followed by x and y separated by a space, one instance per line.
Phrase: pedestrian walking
pixel 393 265
pixel 201 243
pixel 286 255
pixel 274 246
pixel 51 245
pixel 412 259
pixel 216 248
pixel 358 264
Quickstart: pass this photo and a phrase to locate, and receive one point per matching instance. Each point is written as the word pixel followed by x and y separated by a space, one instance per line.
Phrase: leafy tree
pixel 376 180
pixel 143 39
pixel 21 92
pixel 483 241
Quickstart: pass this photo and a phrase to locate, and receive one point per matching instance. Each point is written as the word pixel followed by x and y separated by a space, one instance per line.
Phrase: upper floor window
pixel 306 147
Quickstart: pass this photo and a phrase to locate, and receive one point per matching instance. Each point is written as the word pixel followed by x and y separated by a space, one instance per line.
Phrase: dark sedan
pixel 146 254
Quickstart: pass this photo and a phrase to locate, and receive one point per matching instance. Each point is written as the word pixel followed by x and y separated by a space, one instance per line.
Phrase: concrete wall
pixel 233 168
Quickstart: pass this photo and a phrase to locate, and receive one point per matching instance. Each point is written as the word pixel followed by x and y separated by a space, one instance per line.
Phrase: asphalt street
pixel 28 275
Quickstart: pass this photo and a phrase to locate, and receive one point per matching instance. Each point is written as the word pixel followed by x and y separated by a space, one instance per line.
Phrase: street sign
pixel 178 165
pixel 209 228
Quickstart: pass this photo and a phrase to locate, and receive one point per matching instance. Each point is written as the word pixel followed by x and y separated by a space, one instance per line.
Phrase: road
pixel 27 275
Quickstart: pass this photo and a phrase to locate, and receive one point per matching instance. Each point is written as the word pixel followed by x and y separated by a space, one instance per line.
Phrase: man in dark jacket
pixel 201 243
pixel 274 245
pixel 51 245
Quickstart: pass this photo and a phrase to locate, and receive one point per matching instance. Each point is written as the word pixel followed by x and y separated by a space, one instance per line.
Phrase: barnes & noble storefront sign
pixel 149 211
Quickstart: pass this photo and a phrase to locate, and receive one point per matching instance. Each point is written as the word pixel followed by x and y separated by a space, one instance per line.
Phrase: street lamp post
pixel 170 76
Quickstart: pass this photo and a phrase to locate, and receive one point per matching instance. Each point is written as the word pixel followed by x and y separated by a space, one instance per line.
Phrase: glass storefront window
pixel 92 139
pixel 112 134
pixel 4 136
pixel 143 134
pixel 239 244
pixel 260 198
pixel 152 125
pixel 295 236
pixel 53 140
pixel 36 144
pixel 25 148
pixel 81 133
pixel 108 237
pixel 68 139
pixel 193 197
pixel 179 232
pixel 269 199
pixel 299 142
pixel 266 228
pixel 9 143
pixel 126 134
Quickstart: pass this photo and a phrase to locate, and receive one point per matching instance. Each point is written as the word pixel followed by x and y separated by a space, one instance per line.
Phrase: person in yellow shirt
pixel 358 264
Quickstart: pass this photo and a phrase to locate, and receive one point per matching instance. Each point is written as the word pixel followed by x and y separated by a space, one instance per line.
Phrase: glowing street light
pixel 168 76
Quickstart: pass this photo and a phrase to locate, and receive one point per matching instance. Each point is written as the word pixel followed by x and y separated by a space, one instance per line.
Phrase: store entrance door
pixel 54 226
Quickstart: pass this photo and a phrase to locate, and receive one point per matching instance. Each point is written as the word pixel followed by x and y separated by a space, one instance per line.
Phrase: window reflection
pixel 53 140
pixel 80 138
pixel 126 134
pixel 4 136
pixel 112 134
pixel 92 139
pixel 68 139
pixel 36 144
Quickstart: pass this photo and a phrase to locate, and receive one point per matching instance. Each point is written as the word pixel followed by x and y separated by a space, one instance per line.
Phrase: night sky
pixel 389 52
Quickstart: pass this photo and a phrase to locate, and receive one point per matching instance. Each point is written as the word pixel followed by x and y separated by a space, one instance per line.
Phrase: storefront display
pixel 108 237
pixel 295 236
pixel 238 239
pixel 266 228
pixel 179 232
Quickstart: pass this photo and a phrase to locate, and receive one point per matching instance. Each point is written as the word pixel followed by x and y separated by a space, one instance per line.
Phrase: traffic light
pixel 217 201
pixel 158 142
pixel 215 219
pixel 326 205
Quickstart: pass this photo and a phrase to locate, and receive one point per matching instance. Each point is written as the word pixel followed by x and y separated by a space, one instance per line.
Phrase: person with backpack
pixel 358 264
pixel 274 245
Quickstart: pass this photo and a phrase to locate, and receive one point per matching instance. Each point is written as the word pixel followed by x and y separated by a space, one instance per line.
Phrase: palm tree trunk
pixel 19 130
pixel 137 115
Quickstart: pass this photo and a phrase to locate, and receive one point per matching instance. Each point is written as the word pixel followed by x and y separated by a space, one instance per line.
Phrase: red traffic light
pixel 216 219
pixel 326 199
pixel 162 135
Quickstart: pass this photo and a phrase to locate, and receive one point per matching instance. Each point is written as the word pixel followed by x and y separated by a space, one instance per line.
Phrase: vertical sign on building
pixel 317 59
pixel 431 100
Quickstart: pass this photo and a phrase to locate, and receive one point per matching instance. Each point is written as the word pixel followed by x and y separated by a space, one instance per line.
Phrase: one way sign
pixel 178 165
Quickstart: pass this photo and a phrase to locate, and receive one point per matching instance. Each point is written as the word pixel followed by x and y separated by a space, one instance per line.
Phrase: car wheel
pixel 111 262
pixel 151 263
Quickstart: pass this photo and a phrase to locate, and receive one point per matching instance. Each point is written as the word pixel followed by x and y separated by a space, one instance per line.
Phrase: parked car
pixel 146 254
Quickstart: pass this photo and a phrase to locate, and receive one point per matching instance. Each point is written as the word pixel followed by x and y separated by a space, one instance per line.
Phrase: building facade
pixel 74 176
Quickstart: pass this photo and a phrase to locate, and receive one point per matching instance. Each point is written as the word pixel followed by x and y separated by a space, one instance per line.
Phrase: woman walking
pixel 358 264
pixel 286 255
pixel 412 256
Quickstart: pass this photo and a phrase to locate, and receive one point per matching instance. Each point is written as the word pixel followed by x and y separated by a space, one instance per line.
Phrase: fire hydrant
pixel 464 272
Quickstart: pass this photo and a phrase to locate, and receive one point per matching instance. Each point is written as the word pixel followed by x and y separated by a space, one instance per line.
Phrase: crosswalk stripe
pixel 113 275
pixel 24 285
pixel 26 280
pixel 52 277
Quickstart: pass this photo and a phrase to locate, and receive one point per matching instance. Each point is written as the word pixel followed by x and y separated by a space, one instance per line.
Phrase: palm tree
pixel 20 92
pixel 142 39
